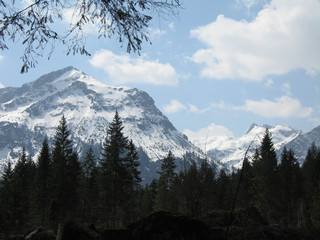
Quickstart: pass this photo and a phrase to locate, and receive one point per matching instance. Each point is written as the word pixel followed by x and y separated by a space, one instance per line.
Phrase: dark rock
pixel 72 231
pixel 165 226
pixel 117 234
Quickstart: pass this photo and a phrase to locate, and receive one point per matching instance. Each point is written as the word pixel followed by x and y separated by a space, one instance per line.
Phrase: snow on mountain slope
pixel 230 151
pixel 32 111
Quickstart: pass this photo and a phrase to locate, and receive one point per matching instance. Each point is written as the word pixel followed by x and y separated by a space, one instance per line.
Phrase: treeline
pixel 58 187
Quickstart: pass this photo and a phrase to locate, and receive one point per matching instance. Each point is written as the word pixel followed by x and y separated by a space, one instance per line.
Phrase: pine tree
pixel 6 201
pixel 310 170
pixel 208 187
pixel 132 166
pixel 189 191
pixel 43 184
pixel 133 190
pixel 149 197
pixel 73 179
pixel 114 172
pixel 223 193
pixel 266 179
pixel 22 184
pixel 62 155
pixel 89 187
pixel 165 183
pixel 290 183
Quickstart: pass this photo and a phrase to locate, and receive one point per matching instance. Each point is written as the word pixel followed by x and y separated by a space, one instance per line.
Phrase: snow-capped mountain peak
pixel 30 112
pixel 230 151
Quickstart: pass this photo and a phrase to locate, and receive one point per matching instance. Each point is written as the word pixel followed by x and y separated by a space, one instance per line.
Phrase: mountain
pixel 30 112
pixel 230 151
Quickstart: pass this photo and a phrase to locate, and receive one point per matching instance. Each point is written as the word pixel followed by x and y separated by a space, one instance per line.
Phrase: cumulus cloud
pixel 124 69
pixel 283 36
pixel 174 106
pixel 213 130
pixel 283 107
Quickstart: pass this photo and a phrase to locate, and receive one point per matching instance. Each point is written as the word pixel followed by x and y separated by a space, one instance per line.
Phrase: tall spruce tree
pixel 133 187
pixel 89 187
pixel 291 189
pixel 310 170
pixel 43 184
pixel 266 179
pixel 22 184
pixel 62 155
pixel 165 183
pixel 6 201
pixel 114 172
pixel 132 166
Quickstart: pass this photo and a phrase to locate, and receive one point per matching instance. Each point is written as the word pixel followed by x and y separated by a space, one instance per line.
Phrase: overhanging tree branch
pixel 35 25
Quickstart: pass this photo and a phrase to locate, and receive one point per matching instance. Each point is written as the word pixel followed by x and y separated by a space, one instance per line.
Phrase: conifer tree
pixel 132 166
pixel 207 186
pixel 22 184
pixel 133 187
pixel 223 192
pixel 6 201
pixel 43 184
pixel 310 170
pixel 165 183
pixel 73 179
pixel 290 183
pixel 114 174
pixel 149 197
pixel 189 192
pixel 62 156
pixel 89 186
pixel 266 179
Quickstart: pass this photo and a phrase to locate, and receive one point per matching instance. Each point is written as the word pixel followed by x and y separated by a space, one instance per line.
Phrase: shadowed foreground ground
pixel 165 226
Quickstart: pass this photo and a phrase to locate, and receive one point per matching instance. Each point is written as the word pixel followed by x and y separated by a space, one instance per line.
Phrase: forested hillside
pixel 106 190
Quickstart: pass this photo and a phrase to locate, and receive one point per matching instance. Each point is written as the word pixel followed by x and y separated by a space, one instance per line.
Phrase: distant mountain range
pixel 32 111
pixel 230 151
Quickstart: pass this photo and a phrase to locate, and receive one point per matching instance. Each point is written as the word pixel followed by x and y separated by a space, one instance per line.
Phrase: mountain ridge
pixel 33 111
pixel 230 150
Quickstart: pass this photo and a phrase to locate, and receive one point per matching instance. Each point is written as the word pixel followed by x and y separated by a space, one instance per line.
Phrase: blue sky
pixel 216 68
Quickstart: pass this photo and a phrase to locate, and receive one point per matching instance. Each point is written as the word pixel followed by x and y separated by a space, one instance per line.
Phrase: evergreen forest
pixel 106 190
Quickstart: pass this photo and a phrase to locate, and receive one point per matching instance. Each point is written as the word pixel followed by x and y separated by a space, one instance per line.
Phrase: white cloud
pixel 269 82
pixel 283 107
pixel 248 3
pixel 287 88
pixel 213 130
pixel 156 32
pixel 1 58
pixel 220 105
pixel 124 69
pixel 174 106
pixel 195 109
pixel 283 36
pixel 1 85
pixel 171 26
